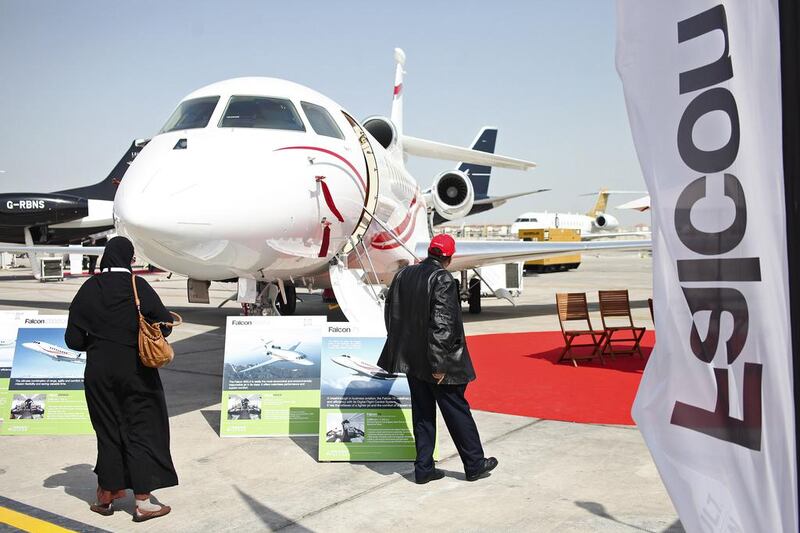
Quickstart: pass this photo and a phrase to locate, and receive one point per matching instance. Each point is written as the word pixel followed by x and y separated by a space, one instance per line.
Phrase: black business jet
pixel 72 216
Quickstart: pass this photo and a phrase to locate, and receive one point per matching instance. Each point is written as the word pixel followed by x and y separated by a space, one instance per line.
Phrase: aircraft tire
pixel 474 296
pixel 290 306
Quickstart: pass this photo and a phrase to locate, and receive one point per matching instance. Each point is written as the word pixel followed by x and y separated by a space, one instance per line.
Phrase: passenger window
pixel 261 112
pixel 191 114
pixel 321 121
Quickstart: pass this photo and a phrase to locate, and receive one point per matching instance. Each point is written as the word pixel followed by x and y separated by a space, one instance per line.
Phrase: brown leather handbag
pixel 154 350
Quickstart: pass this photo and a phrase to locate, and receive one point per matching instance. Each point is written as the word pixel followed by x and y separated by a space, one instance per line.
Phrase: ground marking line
pixel 28 523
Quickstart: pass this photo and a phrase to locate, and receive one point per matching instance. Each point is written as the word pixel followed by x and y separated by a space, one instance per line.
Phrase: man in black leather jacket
pixel 426 342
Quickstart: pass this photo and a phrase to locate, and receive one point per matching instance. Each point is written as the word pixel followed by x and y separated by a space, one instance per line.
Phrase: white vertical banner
pixel 715 406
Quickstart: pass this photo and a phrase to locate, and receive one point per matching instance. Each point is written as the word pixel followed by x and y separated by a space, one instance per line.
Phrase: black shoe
pixel 433 476
pixel 488 464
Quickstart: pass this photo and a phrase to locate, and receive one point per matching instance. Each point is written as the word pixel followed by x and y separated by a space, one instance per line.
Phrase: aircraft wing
pixel 502 199
pixel 259 365
pixel 436 150
pixel 471 254
pixel 612 235
pixel 47 249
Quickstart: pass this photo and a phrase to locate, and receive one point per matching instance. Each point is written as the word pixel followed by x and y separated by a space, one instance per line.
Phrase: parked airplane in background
pixel 56 353
pixel 270 184
pixel 453 185
pixel 595 223
pixel 363 367
pixel 63 217
pixel 276 353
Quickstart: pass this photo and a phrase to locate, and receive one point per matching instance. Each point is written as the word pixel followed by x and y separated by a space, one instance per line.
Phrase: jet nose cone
pixel 233 207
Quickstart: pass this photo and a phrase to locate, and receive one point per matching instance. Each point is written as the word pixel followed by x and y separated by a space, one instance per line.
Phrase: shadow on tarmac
pixel 79 481
pixel 598 509
pixel 273 520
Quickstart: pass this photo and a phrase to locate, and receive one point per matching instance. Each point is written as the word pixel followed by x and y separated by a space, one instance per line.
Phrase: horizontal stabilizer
pixel 640 204
pixel 44 249
pixel 608 191
pixel 495 199
pixel 436 150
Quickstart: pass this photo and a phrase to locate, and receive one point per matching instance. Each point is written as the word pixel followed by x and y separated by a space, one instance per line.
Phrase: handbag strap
pixel 136 295
pixel 177 320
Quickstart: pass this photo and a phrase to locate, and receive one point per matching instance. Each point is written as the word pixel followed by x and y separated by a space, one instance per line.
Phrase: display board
pixel 365 412
pixel 270 380
pixel 10 321
pixel 45 390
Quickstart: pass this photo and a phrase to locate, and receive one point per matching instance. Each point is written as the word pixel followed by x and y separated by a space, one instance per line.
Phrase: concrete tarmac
pixel 553 476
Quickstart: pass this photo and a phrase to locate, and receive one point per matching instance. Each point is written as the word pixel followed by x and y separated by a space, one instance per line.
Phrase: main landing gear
pixel 269 301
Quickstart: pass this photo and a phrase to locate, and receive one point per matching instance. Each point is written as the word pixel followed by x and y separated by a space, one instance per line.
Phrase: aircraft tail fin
pixel 601 203
pixel 397 98
pixel 478 174
pixel 106 189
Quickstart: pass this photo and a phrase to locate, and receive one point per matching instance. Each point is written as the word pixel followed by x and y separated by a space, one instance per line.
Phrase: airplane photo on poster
pixel 40 353
pixel 363 367
pixel 272 185
pixel 277 353
pixel 56 353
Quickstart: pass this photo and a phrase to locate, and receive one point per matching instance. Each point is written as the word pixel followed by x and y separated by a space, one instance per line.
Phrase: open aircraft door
pixel 357 289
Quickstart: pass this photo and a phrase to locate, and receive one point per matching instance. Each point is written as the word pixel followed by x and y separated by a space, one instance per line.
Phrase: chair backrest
pixel 614 304
pixel 572 306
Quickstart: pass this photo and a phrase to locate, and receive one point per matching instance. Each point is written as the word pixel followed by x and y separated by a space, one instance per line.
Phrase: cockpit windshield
pixel 321 121
pixel 191 114
pixel 261 112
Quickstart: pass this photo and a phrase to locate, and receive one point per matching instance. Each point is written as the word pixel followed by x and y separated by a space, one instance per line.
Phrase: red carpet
pixel 518 375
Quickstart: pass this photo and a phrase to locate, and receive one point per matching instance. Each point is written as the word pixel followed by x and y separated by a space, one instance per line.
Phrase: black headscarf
pixel 117 253
pixel 104 306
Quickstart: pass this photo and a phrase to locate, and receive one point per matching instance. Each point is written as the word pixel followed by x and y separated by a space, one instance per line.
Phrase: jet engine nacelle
pixel 452 194
pixel 382 129
pixel 604 221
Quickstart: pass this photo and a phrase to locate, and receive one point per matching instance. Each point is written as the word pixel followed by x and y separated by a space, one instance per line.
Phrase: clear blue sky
pixel 81 79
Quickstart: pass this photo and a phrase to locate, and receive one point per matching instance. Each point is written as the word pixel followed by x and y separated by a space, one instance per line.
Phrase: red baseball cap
pixel 444 243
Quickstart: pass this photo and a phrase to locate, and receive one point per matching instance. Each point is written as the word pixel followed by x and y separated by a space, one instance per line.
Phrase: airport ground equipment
pixel 573 309
pixel 504 276
pixel 615 308
pixel 552 264
pixel 51 268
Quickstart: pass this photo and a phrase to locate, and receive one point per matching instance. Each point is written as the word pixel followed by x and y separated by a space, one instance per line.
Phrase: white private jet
pixel 362 367
pixel 271 184
pixel 276 353
pixel 596 223
pixel 56 353
pixel 7 343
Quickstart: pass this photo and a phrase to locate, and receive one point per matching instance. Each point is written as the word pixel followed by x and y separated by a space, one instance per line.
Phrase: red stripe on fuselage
pixel 385 240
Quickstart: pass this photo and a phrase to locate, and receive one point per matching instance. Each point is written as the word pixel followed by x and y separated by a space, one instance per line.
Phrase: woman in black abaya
pixel 125 398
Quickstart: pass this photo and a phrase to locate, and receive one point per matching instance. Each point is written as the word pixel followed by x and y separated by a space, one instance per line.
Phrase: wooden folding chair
pixel 615 307
pixel 572 307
